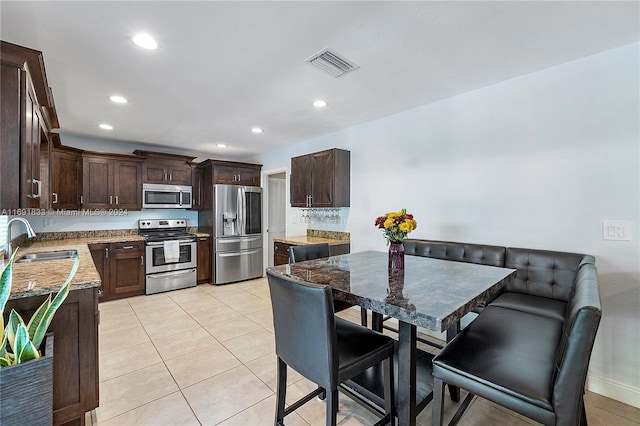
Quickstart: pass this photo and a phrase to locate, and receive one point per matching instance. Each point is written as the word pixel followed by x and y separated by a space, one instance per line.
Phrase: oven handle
pixel 172 273
pixel 160 243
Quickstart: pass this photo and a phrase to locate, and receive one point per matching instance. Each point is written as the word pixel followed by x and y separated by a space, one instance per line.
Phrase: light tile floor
pixel 205 356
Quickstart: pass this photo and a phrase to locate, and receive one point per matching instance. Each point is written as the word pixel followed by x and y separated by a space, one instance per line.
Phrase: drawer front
pixel 128 246
pixel 281 248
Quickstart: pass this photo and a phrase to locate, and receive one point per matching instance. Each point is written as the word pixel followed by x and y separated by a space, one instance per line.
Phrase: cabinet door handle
pixel 116 200
pixel 106 252
pixel 39 185
pixel 82 199
pixel 170 177
pixel 141 260
pixel 110 199
pixel 55 198
pixel 127 247
pixel 165 177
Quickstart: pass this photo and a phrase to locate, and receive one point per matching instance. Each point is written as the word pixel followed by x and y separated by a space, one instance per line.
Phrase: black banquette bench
pixel 529 348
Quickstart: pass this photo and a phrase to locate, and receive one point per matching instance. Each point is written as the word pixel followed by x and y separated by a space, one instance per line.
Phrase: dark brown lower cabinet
pixel 75 353
pixel 281 251
pixel 121 269
pixel 204 260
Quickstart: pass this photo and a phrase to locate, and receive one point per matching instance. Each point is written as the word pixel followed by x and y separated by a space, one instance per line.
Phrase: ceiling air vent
pixel 332 63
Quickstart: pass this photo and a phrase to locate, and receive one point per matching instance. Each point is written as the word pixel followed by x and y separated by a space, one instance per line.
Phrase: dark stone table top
pixel 431 293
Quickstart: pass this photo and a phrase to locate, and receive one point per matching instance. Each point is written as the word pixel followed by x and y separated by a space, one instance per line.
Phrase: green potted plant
pixel 26 356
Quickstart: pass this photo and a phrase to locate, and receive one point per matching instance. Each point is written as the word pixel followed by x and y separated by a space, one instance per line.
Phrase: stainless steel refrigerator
pixel 237 245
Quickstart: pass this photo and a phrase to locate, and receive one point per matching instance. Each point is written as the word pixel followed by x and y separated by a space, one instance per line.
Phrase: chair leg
pixel 332 407
pixel 389 395
pixel 438 402
pixel 363 317
pixel 281 392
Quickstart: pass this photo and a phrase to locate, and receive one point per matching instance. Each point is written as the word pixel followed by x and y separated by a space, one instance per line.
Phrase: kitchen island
pixel 75 324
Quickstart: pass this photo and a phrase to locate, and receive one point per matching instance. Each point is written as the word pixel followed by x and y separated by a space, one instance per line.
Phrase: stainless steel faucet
pixel 30 232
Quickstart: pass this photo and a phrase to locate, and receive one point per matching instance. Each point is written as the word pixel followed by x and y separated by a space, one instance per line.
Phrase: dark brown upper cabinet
pixel 111 182
pixel 321 179
pixel 27 114
pixel 160 167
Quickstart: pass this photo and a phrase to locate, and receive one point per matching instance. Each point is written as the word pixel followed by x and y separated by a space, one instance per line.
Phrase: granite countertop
pixel 44 277
pixel 307 239
pixel 431 293
pixel 201 234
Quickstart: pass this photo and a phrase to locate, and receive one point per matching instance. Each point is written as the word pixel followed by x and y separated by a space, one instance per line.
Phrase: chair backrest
pixel 461 252
pixel 304 325
pixel 544 273
pixel 308 252
pixel 572 359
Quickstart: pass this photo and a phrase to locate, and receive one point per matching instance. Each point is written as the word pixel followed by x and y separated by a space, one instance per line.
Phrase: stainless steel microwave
pixel 159 196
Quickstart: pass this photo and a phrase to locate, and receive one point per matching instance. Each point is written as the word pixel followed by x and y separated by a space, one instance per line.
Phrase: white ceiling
pixel 224 67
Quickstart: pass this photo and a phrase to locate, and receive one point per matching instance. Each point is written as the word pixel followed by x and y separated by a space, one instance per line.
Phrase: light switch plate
pixel 616 230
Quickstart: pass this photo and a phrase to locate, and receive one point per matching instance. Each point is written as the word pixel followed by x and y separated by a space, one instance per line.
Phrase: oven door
pixel 155 261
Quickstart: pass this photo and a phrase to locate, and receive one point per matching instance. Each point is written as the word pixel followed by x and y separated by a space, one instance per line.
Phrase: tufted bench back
pixel 544 273
pixel 461 252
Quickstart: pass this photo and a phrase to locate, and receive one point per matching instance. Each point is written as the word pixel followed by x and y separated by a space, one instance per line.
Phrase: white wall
pixel 537 161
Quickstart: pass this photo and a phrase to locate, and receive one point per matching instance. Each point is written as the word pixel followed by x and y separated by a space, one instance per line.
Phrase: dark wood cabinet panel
pixel 196 177
pixel 160 167
pixel 168 172
pixel 127 185
pixel 66 180
pixel 321 179
pixel 126 269
pixel 300 181
pixel 121 269
pixel 231 173
pixel 100 256
pixel 11 86
pixel 75 359
pixel 97 183
pixel 203 250
pixel 280 253
pixel 27 115
pixel 111 183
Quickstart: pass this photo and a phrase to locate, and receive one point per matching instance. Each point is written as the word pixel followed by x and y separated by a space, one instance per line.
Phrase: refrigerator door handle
pixel 241 212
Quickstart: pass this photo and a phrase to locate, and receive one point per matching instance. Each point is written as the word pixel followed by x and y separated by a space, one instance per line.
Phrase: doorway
pixel 276 210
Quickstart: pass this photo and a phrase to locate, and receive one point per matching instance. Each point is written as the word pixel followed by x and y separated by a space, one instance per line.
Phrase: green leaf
pixel 3 347
pixel 38 328
pixel 21 340
pixel 4 362
pixel 28 351
pixel 5 286
pixel 15 320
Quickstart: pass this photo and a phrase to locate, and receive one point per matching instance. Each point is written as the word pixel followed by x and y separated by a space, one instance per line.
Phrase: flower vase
pixel 396 256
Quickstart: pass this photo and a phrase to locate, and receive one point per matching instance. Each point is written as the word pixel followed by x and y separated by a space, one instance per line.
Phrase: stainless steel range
pixel 170 254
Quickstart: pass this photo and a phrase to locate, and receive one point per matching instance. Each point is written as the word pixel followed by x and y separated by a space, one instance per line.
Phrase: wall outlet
pixel 616 230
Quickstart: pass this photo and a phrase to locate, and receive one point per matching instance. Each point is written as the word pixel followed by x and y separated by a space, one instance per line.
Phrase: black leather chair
pixel 322 347
pixel 317 251
pixel 529 357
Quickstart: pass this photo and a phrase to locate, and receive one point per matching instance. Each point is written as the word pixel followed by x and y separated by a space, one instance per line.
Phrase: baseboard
pixel 614 390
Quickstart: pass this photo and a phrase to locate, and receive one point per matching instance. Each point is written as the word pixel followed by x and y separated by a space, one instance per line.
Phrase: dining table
pixel 430 293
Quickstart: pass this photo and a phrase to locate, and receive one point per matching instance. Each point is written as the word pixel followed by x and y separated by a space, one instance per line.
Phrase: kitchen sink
pixel 48 255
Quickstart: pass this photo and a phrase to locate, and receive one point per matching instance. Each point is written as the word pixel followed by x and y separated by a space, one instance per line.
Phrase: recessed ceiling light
pixel 118 99
pixel 106 127
pixel 319 103
pixel 221 145
pixel 257 130
pixel 145 41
